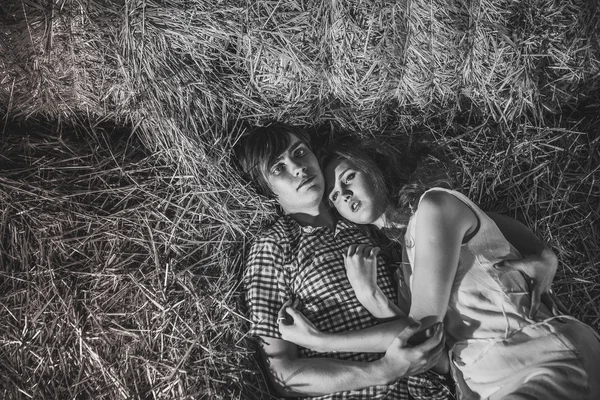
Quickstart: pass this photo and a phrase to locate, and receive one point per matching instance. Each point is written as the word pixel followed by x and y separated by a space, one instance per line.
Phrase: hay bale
pixel 115 281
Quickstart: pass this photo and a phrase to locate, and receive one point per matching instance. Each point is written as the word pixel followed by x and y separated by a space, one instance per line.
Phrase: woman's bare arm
pixel 442 223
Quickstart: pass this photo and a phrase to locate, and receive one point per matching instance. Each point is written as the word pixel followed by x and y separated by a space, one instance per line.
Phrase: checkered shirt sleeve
pixel 266 288
pixel 429 386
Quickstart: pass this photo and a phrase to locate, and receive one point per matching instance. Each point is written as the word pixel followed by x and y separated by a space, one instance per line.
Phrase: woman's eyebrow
pixel 343 172
pixel 329 190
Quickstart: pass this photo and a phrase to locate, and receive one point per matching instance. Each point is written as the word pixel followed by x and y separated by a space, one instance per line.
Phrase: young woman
pixel 502 345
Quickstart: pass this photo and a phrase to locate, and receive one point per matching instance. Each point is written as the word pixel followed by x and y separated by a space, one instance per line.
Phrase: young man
pixel 300 259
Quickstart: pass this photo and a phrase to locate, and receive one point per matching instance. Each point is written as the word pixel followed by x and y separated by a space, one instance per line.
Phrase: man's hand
pixel 361 268
pixel 540 268
pixel 295 328
pixel 403 360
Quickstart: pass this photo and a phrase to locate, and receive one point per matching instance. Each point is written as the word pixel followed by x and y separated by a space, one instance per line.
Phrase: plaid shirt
pixel 305 264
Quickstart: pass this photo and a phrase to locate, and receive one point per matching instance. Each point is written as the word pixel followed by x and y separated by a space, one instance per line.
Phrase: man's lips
pixel 305 181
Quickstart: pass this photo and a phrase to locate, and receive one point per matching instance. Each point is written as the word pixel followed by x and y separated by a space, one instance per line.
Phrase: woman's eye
pixel 350 177
pixel 300 152
pixel 334 197
pixel 277 169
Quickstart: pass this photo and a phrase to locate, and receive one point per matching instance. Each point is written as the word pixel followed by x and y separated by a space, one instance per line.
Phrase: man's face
pixel 295 177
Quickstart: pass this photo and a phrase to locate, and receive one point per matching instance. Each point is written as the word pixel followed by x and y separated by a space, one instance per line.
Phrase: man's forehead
pixel 293 142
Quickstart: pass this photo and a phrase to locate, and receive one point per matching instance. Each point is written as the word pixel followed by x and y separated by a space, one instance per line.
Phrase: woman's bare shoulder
pixel 446 206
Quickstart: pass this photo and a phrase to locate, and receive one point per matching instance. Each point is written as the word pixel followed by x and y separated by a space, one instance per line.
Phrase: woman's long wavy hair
pixel 399 172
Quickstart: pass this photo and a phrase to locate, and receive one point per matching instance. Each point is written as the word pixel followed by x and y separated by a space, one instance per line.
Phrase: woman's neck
pixel 384 222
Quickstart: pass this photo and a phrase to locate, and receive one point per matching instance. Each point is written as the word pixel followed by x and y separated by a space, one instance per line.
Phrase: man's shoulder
pixel 282 231
pixel 276 241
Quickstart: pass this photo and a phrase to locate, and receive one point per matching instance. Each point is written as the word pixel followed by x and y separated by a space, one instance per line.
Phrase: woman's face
pixel 351 192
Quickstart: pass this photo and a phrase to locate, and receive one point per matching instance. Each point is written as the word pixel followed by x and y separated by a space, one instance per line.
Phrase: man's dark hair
pixel 258 148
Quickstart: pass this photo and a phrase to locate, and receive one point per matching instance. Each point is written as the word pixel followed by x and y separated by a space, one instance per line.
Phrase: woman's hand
pixel 540 268
pixel 295 328
pixel 361 268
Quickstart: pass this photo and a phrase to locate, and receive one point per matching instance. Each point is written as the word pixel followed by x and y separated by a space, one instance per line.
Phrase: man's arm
pixel 266 287
pixel 294 376
pixel 296 328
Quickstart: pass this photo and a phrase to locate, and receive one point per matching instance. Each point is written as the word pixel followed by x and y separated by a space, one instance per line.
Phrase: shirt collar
pixel 340 225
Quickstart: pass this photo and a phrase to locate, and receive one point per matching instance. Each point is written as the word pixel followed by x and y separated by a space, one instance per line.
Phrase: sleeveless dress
pixel 496 351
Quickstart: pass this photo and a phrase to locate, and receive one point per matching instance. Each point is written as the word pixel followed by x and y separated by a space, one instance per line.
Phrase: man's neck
pixel 320 216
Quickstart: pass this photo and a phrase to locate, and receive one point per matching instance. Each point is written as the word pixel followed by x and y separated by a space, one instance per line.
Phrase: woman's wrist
pixel 323 342
pixel 378 304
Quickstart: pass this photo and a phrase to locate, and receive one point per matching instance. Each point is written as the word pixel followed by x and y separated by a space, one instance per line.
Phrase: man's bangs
pixel 270 149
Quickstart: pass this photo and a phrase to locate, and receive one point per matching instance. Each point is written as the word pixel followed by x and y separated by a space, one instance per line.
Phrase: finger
pixel 292 312
pixel 351 250
pixel 367 250
pixel 560 307
pixel 288 318
pixel 434 354
pixel 360 249
pixel 507 265
pixel 435 342
pixel 548 301
pixel 296 303
pixel 536 297
pixel 408 332
pixel 285 305
pixel 375 251
pixel 282 315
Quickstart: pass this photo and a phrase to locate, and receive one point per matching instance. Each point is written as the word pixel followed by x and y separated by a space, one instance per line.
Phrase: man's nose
pixel 298 168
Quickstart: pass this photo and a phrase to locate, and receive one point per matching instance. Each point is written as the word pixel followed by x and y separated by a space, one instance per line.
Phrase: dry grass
pixel 121 248
pixel 110 283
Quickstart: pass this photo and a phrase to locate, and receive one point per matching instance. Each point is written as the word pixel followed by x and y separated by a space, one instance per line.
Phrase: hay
pixel 121 249
pixel 110 284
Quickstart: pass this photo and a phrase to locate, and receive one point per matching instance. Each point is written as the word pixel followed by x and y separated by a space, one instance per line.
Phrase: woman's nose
pixel 346 194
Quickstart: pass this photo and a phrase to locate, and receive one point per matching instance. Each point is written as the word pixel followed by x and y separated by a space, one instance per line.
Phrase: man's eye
pixel 350 177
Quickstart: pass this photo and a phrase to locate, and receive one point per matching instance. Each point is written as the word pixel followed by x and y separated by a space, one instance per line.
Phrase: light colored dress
pixel 496 351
